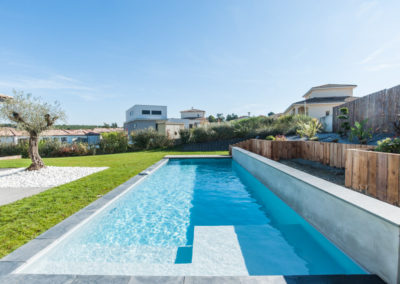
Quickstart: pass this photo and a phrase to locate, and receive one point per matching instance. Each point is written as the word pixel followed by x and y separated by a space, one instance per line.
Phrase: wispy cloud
pixel 55 82
pixel 373 55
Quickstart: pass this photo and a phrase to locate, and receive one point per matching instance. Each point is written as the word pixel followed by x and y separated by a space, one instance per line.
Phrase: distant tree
pixel 114 125
pixel 106 125
pixel 220 117
pixel 271 113
pixel 34 116
pixel 232 116
pixel 211 118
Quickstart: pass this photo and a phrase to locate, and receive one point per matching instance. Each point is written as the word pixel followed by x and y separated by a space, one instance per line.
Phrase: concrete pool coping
pixel 364 228
pixel 36 247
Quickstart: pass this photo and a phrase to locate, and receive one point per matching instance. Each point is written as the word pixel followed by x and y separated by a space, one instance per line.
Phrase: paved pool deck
pixel 12 262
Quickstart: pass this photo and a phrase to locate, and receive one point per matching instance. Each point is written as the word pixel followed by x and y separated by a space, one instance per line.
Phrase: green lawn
pixel 25 219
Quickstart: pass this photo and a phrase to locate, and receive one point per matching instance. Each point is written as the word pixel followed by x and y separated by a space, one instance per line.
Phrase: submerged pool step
pixel 216 249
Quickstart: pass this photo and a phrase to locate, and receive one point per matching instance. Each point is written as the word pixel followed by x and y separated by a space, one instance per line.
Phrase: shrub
pixel 8 149
pixel 150 139
pixel 343 117
pixel 309 129
pixel 185 135
pixel 49 148
pixel 270 137
pixel 223 131
pixel 360 132
pixel 389 145
pixel 113 142
pixel 201 134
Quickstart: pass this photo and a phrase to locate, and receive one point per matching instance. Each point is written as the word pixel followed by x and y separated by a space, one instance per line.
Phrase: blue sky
pixel 98 58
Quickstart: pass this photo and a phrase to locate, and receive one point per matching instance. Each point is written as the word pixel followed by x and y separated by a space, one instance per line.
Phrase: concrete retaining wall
pixel 366 229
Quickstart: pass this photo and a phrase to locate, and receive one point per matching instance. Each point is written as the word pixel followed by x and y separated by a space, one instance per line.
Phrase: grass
pixel 27 218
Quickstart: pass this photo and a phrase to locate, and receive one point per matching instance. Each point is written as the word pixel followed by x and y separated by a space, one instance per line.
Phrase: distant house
pixel 4 97
pixel 140 117
pixel 319 102
pixel 90 136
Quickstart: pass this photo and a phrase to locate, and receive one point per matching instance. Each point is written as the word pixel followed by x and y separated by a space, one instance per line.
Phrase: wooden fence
pixel 381 108
pixel 332 154
pixel 376 174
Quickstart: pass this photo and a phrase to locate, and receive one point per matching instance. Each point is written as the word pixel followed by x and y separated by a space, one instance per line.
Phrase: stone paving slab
pixel 12 194
pixel 275 279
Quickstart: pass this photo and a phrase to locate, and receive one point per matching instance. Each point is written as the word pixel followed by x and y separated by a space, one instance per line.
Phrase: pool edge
pixel 20 257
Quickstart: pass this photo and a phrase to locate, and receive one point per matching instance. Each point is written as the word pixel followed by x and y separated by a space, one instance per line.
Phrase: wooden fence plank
pixel 372 169
pixel 349 168
pixel 393 179
pixel 381 177
pixel 363 171
pixel 355 179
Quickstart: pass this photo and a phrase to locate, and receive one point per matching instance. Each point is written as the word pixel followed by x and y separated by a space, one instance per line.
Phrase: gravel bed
pixel 47 177
pixel 325 172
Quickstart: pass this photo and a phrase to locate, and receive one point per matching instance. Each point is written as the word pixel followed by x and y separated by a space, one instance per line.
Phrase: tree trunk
pixel 37 162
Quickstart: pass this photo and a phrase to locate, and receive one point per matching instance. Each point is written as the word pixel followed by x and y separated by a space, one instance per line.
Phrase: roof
pixel 193 110
pixel 9 131
pixel 326 100
pixel 329 86
pixel 4 97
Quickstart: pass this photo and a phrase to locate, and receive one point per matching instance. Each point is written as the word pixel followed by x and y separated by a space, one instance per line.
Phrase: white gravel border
pixel 47 177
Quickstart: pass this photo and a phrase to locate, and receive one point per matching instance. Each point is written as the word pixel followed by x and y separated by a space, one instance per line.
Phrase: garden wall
pixel 375 174
pixel 221 145
pixel 364 228
pixel 381 108
pixel 331 154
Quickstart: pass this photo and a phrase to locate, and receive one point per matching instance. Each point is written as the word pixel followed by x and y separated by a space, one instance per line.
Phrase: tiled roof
pixel 324 100
pixel 4 97
pixel 8 131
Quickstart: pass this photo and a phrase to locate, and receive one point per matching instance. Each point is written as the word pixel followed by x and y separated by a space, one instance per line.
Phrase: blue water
pixel 150 229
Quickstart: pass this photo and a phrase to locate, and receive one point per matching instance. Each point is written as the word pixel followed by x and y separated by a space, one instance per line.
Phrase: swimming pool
pixel 195 217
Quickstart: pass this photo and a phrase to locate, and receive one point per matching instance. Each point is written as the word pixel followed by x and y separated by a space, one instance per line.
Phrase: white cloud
pixel 55 82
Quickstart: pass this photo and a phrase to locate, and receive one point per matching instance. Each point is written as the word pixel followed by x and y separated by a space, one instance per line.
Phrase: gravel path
pixel 16 184
pixel 47 177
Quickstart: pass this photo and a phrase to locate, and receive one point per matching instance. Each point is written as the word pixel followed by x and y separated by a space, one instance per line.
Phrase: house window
pixel 64 139
pixel 156 112
pixel 327 113
pixel 190 125
pixel 131 113
pixel 134 125
pixel 145 111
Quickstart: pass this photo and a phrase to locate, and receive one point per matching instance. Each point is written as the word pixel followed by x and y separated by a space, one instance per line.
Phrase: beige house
pixel 319 102
pixel 169 128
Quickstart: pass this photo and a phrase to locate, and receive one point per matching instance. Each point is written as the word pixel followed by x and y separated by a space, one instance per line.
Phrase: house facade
pixel 319 102
pixel 140 117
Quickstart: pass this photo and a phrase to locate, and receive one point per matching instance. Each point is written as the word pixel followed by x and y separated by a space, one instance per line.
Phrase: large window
pixel 156 112
pixel 144 111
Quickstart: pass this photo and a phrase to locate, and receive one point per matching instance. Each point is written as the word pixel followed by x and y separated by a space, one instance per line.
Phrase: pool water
pixel 196 217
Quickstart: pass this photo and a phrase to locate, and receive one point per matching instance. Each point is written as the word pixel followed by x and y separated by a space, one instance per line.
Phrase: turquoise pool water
pixel 196 217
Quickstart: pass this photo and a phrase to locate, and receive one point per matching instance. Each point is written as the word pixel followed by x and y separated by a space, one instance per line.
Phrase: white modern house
pixel 319 102
pixel 140 117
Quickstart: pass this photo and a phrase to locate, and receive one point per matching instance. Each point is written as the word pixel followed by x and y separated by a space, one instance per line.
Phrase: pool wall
pixel 366 229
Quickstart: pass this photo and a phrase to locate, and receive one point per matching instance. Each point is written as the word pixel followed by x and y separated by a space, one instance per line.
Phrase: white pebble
pixel 46 177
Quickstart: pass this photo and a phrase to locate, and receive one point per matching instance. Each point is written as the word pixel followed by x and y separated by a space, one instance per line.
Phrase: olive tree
pixel 34 116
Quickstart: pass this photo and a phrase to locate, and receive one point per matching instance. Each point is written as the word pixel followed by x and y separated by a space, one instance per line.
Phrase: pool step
pixel 216 249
